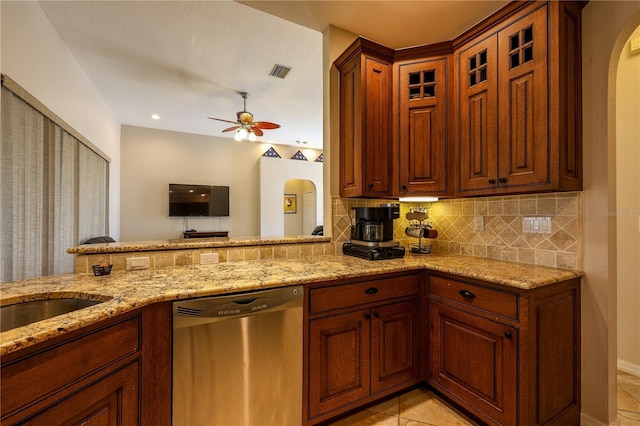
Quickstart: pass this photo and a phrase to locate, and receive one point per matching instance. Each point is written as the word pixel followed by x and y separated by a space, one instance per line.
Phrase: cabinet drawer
pixel 64 364
pixel 491 300
pixel 342 296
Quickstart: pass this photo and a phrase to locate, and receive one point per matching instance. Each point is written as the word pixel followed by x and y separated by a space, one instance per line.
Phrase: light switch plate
pixel 135 263
pixel 536 225
pixel 478 223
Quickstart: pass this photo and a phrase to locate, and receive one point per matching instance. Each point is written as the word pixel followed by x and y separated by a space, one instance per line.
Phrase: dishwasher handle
pixel 238 305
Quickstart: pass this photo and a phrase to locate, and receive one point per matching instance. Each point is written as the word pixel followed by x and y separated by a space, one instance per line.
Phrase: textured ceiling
pixel 186 60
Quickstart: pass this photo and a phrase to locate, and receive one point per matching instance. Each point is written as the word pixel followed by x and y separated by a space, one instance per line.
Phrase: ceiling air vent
pixel 280 71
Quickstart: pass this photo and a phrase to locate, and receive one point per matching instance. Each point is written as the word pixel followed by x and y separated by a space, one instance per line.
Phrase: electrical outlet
pixel 135 263
pixel 478 223
pixel 536 225
pixel 209 258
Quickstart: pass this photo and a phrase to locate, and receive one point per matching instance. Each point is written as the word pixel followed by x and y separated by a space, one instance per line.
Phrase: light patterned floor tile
pixel 423 406
pixel 420 407
pixel 389 407
pixel 367 418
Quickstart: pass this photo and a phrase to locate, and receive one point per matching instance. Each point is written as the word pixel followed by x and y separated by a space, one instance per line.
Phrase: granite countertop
pixel 134 289
pixel 193 243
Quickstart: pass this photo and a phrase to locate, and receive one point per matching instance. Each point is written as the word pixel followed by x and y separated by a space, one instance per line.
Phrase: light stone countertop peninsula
pixel 125 291
pixel 193 243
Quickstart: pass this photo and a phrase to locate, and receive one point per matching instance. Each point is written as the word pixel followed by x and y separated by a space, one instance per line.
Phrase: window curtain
pixel 54 191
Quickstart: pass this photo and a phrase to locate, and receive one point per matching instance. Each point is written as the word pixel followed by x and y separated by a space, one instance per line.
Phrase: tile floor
pixel 628 399
pixel 420 407
pixel 415 408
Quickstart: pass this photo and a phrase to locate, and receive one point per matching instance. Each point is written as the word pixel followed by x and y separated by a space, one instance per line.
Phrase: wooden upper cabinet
pixel 366 150
pixel 518 95
pixel 512 125
pixel 477 95
pixel 523 126
pixel 423 99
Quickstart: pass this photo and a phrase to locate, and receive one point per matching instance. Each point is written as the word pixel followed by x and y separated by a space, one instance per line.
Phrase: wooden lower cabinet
pixel 117 372
pixel 395 333
pixel 505 355
pixel 361 352
pixel 339 361
pixel 476 360
pixel 111 401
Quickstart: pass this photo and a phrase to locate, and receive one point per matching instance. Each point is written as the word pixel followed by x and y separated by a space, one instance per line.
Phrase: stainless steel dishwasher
pixel 237 359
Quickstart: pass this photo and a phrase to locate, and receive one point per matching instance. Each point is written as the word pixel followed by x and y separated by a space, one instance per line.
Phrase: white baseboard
pixel 629 367
pixel 586 420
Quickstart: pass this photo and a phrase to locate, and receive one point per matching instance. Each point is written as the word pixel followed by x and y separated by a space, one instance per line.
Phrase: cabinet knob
pixel 492 181
pixel 502 180
pixel 371 290
pixel 376 314
pixel 404 187
pixel 467 294
pixel 370 185
pixel 508 334
pixel 367 316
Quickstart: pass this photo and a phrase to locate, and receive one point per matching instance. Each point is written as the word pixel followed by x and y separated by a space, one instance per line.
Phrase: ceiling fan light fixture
pixel 252 136
pixel 240 134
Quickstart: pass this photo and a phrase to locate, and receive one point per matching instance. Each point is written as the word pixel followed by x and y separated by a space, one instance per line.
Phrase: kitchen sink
pixel 24 313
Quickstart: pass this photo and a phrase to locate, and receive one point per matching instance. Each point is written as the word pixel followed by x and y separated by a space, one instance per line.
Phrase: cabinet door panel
pixel 394 345
pixel 477 147
pixel 423 136
pixel 523 104
pixel 339 361
pixel 474 361
pixel 112 401
pixel 350 135
pixel 378 154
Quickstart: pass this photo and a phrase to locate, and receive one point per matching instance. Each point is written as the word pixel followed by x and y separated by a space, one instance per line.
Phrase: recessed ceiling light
pixel 155 117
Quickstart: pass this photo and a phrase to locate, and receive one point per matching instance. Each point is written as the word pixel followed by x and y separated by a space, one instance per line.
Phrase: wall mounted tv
pixel 198 200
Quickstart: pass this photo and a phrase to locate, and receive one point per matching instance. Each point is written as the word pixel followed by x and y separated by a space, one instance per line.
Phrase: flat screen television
pixel 198 200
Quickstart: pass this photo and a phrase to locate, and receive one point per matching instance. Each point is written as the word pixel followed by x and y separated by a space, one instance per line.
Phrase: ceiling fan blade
pixel 257 131
pixel 231 128
pixel 266 125
pixel 220 119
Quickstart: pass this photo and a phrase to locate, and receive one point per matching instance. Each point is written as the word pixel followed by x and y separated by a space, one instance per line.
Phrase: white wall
pixel 151 159
pixel 35 57
pixel 628 207
pixel 274 174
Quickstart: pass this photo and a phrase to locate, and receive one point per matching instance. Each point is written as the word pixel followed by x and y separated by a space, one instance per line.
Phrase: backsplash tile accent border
pixel 502 237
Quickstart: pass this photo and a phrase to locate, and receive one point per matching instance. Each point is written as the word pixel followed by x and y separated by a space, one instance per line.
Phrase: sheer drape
pixel 54 192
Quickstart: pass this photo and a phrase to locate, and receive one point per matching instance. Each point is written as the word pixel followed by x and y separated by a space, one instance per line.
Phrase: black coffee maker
pixel 372 233
pixel 374 224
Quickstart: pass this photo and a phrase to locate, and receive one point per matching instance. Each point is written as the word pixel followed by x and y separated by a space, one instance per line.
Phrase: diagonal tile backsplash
pixel 502 236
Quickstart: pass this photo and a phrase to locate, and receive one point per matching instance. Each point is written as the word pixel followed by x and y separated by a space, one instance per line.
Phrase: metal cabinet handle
pixel 376 314
pixel 371 290
pixel 467 294
pixel 370 185
pixel 502 180
pixel 508 334
pixel 492 181
pixel 367 316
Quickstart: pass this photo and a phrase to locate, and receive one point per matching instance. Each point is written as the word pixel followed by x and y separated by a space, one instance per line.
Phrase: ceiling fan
pixel 245 127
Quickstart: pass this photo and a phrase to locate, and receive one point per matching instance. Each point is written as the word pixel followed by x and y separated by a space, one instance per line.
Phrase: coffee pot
pixel 370 231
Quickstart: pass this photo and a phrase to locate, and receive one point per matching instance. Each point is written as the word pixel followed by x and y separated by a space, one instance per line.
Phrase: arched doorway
pixel 300 207
pixel 602 47
pixel 627 219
